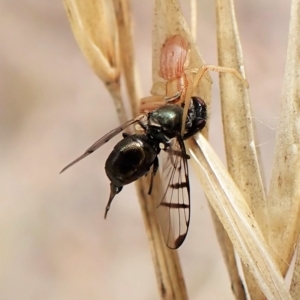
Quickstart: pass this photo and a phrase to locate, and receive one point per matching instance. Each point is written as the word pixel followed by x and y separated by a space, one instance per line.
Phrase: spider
pixel 178 80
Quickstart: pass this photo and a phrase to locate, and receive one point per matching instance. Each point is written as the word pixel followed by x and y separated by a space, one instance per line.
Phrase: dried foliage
pixel 245 221
pixel 284 194
pixel 95 28
pixel 241 154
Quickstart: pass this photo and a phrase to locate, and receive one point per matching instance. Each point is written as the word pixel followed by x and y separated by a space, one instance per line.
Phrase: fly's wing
pixel 103 140
pixel 174 207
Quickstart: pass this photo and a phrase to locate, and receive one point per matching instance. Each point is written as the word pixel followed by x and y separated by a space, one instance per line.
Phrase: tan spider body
pixel 178 80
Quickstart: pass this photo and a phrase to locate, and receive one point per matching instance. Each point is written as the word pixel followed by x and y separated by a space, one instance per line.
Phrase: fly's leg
pixel 154 170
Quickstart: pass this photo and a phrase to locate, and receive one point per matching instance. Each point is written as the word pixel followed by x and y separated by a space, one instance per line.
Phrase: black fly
pixel 135 154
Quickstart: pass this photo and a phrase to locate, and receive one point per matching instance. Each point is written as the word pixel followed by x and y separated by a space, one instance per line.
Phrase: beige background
pixel 54 242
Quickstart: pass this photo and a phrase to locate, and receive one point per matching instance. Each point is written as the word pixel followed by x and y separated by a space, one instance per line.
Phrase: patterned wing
pixel 104 140
pixel 174 207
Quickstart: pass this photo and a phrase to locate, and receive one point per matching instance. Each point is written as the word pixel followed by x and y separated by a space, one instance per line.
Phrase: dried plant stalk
pixel 168 21
pixel 237 218
pixel 227 249
pixel 237 123
pixel 166 262
pixel 123 16
pixel 223 239
pixel 95 29
pixel 173 24
pixel 295 284
pixel 284 195
pixel 236 112
pixel 193 10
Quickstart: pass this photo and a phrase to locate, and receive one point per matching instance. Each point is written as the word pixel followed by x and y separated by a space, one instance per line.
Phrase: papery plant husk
pixel 241 223
pixel 284 192
pixel 242 160
pixel 226 199
pixel 95 29
pixel 237 197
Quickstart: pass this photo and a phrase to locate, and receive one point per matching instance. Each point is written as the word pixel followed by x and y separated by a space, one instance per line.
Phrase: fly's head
pixel 196 117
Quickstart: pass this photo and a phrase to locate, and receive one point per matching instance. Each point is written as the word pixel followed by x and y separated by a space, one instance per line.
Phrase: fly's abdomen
pixel 131 158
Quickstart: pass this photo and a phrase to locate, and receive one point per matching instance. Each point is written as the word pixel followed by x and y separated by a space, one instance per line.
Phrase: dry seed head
pixel 95 29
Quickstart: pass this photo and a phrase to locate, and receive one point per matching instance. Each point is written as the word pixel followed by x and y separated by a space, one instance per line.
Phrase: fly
pixel 137 154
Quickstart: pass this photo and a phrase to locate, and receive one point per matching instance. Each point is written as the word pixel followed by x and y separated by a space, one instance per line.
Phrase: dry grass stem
pixel 227 249
pixel 95 29
pixel 168 21
pixel 237 218
pixel 166 262
pixel 193 16
pixel 237 123
pixel 295 284
pixel 284 194
pixel 123 16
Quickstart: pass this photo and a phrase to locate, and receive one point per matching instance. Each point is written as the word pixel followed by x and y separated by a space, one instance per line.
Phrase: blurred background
pixel 55 243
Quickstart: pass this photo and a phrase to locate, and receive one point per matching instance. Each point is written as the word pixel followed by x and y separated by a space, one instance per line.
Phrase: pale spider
pixel 178 80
